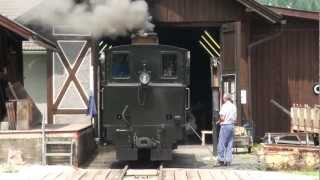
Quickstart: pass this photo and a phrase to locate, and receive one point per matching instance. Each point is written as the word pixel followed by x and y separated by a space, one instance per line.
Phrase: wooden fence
pixel 305 118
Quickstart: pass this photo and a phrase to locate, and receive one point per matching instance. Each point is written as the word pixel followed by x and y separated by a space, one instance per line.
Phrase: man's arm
pixel 221 119
pixel 222 114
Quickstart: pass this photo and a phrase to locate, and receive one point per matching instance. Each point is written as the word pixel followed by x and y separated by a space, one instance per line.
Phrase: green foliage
pixel 314 173
pixel 8 168
pixel 308 5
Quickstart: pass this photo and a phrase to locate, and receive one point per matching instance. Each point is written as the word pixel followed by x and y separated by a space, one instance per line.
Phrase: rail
pixel 127 173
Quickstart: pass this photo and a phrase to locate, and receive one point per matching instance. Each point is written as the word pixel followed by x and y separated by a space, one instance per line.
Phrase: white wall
pixel 35 77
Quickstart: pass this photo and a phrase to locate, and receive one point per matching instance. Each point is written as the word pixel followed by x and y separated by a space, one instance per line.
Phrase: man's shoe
pixel 227 164
pixel 220 163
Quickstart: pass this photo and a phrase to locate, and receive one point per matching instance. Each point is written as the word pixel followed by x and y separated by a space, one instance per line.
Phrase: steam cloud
pixel 107 18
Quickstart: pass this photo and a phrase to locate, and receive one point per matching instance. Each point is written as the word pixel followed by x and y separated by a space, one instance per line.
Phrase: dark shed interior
pixel 200 78
pixel 10 64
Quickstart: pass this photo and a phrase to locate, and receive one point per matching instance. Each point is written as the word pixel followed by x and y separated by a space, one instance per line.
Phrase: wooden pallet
pixel 305 118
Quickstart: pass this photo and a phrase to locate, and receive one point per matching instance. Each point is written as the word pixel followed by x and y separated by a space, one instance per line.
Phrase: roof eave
pixel 263 11
pixel 296 13
pixel 26 33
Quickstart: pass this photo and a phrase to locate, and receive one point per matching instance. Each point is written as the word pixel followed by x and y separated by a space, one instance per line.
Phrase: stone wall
pixel 29 146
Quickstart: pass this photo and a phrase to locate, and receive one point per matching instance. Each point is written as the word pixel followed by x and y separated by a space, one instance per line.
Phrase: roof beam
pixel 26 33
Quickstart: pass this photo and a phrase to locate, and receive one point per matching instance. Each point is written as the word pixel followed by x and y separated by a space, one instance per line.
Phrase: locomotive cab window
pixel 120 65
pixel 169 65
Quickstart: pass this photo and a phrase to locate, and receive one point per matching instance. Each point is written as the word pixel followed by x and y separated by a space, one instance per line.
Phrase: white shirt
pixel 229 111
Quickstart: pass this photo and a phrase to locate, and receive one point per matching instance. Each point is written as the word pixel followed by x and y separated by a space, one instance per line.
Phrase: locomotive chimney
pixel 145 38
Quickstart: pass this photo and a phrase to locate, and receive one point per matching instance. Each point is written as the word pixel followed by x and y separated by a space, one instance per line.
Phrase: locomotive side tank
pixel 146 99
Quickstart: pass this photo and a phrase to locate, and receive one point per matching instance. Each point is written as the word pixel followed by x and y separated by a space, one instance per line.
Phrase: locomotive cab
pixel 145 98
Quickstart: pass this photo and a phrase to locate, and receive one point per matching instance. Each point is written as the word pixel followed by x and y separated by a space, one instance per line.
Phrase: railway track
pixel 145 174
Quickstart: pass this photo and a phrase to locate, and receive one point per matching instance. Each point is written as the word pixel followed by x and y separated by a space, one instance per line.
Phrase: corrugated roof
pixel 15 8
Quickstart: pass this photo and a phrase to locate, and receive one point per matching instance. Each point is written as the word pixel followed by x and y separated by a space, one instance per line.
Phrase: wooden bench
pixel 203 137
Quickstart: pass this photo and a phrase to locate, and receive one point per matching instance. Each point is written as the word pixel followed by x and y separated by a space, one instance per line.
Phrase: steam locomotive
pixel 146 98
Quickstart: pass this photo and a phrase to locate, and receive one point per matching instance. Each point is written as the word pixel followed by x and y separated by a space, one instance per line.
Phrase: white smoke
pixel 107 18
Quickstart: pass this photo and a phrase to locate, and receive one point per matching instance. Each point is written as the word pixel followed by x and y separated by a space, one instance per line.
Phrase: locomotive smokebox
pixel 145 38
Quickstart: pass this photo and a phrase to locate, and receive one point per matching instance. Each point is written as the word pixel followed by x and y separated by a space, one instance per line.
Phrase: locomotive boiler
pixel 146 98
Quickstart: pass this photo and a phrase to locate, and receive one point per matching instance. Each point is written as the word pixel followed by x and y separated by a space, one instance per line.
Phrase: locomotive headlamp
pixel 144 78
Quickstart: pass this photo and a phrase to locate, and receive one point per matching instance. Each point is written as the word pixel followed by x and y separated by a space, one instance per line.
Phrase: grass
pixel 8 168
pixel 305 172
pixel 256 147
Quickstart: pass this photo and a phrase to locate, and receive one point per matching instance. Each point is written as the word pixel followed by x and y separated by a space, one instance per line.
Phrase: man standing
pixel 228 116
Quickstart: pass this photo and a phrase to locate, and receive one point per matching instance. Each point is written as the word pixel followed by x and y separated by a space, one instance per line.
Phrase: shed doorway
pixel 200 73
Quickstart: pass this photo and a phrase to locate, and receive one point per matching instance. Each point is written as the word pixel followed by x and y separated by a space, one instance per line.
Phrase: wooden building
pixel 267 53
pixel 284 68
pixel 11 65
pixel 60 81
pixel 28 141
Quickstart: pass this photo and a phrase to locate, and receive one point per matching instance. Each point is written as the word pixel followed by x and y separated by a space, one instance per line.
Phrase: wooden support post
pixel 43 137
pixel 215 85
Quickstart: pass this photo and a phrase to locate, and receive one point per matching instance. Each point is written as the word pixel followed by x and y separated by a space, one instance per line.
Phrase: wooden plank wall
pixel 284 69
pixel 244 79
pixel 196 11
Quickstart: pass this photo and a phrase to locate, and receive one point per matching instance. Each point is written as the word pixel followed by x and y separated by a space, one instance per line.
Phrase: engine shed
pixel 266 54
pixel 259 60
